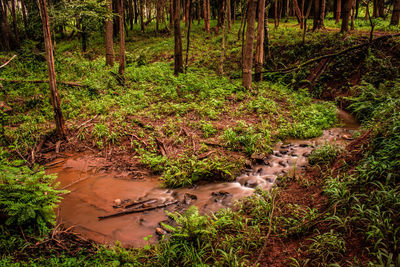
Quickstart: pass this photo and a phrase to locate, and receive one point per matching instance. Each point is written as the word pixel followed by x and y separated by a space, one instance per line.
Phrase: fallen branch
pixel 162 147
pixel 137 210
pixel 381 38
pixel 136 204
pixel 205 155
pixel 40 81
pixel 5 64
pixel 86 122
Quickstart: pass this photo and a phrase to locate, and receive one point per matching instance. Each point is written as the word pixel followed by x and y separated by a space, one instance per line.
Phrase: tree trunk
pixel 229 13
pixel 248 50
pixel 141 15
pixel 396 13
pixel 276 13
pixel 381 8
pixel 206 7
pixel 6 35
pixel 15 26
pixel 131 13
pixel 346 16
pixel 260 41
pixel 221 16
pixel 55 99
pixel 109 37
pixel 121 38
pixel 266 35
pixel 224 25
pixel 178 38
pixel 24 18
pixel 353 13
pixel 338 10
pixel 319 14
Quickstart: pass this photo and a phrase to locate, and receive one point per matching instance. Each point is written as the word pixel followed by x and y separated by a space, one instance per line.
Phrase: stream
pixel 94 193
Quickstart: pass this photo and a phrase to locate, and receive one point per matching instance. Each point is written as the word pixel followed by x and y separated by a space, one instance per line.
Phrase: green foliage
pixel 324 154
pixel 244 137
pixel 186 170
pixel 326 248
pixel 27 198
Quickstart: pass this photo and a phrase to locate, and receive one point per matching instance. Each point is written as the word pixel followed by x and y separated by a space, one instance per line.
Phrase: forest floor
pixel 205 126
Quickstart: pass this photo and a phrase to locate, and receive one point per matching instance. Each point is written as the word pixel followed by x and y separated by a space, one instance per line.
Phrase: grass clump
pixel 324 155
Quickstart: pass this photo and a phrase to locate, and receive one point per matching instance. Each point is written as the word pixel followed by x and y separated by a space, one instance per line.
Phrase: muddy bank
pixel 97 193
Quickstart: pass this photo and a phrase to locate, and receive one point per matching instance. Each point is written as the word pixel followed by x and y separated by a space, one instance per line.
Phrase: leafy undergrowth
pixel 202 126
pixel 196 126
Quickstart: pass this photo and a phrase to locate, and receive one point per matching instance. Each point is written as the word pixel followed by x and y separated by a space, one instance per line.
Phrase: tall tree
pixel 338 11
pixel 319 14
pixel 260 41
pixel 178 38
pixel 109 37
pixel 248 49
pixel 55 99
pixel 346 15
pixel 15 26
pixel 6 36
pixel 206 7
pixel 396 13
pixel 121 38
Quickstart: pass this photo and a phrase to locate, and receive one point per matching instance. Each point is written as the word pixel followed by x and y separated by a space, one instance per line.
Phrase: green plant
pixel 325 154
pixel 326 248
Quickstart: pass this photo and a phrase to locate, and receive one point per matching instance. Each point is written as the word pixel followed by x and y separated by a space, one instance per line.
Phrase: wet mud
pixel 95 193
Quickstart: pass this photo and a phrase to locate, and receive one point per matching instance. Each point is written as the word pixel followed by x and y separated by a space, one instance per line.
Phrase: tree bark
pixel 141 15
pixel 178 39
pixel 338 10
pixel 15 26
pixel 206 7
pixel 109 37
pixel 346 16
pixel 55 99
pixel 6 36
pixel 24 18
pixel 396 13
pixel 121 38
pixel 260 41
pixel 319 14
pixel 248 50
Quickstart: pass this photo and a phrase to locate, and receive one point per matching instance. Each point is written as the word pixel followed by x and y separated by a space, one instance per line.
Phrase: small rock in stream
pixel 282 163
pixel 160 231
pixel 277 154
pixel 303 145
pixel 283 151
pixel 306 154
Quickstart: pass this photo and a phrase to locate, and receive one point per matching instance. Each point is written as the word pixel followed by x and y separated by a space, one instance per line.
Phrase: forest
pixel 199 133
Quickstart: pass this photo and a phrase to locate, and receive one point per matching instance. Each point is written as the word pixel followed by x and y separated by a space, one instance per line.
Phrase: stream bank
pixel 97 193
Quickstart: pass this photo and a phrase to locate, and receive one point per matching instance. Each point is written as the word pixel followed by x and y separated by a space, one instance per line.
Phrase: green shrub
pixel 325 154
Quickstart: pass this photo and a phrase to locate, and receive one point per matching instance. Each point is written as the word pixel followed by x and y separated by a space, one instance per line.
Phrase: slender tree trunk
pixel 260 41
pixel 222 58
pixel 109 37
pixel 248 51
pixel 276 13
pixel 338 10
pixel 189 17
pixel 131 13
pixel 396 13
pixel 187 11
pixel 6 36
pixel 353 13
pixel 266 34
pixel 16 34
pixel 287 10
pixel 221 16
pixel 55 99
pixel 24 18
pixel 121 38
pixel 298 12
pixel 141 15
pixel 234 11
pixel 381 8
pixel 206 7
pixel 178 38
pixel 346 16
pixel 135 7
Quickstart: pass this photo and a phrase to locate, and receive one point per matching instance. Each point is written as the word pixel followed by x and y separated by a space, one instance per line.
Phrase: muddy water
pixel 94 193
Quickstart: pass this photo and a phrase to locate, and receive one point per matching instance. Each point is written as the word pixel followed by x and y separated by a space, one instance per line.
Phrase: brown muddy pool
pixel 95 193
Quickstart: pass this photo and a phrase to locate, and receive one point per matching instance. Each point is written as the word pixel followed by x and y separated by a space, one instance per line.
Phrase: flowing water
pixel 94 193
